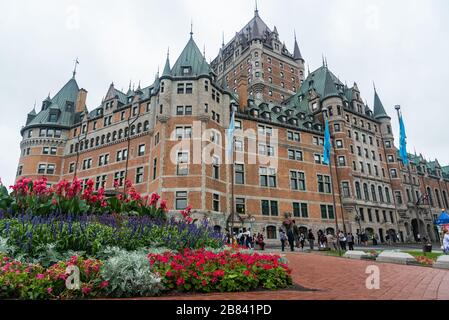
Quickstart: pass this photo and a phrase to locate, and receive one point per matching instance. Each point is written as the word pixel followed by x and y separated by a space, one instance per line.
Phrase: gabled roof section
pixel 191 57
pixel 379 110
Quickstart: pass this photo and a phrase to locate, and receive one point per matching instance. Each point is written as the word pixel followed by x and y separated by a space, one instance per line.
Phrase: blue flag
pixel 327 144
pixel 403 142
pixel 231 134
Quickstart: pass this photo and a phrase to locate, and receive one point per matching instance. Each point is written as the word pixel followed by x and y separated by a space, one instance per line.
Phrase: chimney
pixel 81 100
pixel 242 91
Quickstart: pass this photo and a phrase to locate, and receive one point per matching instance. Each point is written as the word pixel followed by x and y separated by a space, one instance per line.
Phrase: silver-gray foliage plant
pixel 129 274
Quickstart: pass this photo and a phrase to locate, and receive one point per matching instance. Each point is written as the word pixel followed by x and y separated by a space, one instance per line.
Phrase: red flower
pixel 180 281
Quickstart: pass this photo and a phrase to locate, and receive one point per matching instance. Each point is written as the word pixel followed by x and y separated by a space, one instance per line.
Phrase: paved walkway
pixel 334 278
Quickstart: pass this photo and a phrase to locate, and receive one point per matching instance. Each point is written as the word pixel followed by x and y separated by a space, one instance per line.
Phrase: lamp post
pixel 358 220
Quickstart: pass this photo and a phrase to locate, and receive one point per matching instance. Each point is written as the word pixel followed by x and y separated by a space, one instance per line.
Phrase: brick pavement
pixel 334 278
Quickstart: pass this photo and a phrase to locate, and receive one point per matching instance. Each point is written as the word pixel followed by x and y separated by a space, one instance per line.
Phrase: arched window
pixel 120 134
pixel 381 194
pixel 146 126
pixel 86 144
pixel 97 141
pixel 365 191
pixel 76 147
pixel 114 135
pixel 429 193
pixel 437 195
pixel 373 193
pixel 357 190
pixel 102 139
pixel 387 195
pixel 108 138
pixel 139 128
pixel 133 130
pixel 445 200
pixel 126 132
pixel 271 232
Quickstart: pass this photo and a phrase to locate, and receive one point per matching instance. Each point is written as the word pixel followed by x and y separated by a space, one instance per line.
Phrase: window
pixel 154 168
pixel 72 167
pixel 295 155
pixel 318 141
pixel 30 133
pixel 370 215
pixel 390 158
pixel 87 164
pixel 240 205
pixel 180 88
pixel 391 217
pixel 293 136
pixel 103 160
pixel 51 169
pixel 264 130
pixel 341 161
pixel 362 214
pixel 156 139
pixel 181 200
pixel 337 127
pixel 317 157
pixel 41 169
pixel 297 180
pixel 182 168
pixel 45 150
pixel 271 232
pixel 394 173
pixel 339 144
pixel 365 191
pixel 324 184
pixel 239 173
pixel 357 190
pixel 141 150
pixel 267 177
pixel 189 88
pixel 139 175
pixel 216 168
pixel 121 155
pixel 327 212
pixel 387 144
pixel 373 193
pixel 345 189
pixel 377 216
pixel 269 208
pixel 183 133
pixel 398 196
pixel 300 210
pixel 387 195
pixel 216 202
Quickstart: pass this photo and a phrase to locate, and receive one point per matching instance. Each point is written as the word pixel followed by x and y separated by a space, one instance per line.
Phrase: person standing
pixel 311 239
pixel 446 241
pixel 350 240
pixel 283 239
pixel 302 239
pixel 342 240
pixel 291 238
pixel 296 233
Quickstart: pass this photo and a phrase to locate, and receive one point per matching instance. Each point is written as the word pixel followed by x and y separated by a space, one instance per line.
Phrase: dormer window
pixel 283 119
pixel 255 113
pixel 186 70
pixel 53 117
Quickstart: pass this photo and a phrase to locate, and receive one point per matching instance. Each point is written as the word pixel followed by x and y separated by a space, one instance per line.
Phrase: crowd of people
pixel 292 237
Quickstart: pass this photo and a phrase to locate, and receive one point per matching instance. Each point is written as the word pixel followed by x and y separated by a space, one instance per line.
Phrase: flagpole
pixel 328 145
pixel 398 109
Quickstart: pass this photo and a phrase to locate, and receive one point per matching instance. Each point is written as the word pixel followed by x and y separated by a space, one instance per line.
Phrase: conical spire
pixel 191 62
pixel 330 90
pixel 256 10
pixel 296 52
pixel 167 71
pixel 379 110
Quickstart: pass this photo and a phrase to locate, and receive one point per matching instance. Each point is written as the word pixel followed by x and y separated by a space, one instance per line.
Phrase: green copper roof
pixel 192 58
pixel 167 70
pixel 58 105
pixel 296 52
pixel 379 111
pixel 330 90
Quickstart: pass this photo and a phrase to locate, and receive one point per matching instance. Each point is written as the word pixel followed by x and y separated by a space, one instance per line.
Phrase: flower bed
pixel 203 271
pixel 30 235
pixel 132 275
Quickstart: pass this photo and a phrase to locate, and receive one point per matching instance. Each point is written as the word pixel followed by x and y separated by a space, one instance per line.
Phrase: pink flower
pixel 86 290
pixel 104 284
pixel 49 290
pixel 54 202
pixel 40 276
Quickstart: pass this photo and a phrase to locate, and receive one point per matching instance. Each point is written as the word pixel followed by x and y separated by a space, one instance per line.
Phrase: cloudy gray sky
pixel 402 45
